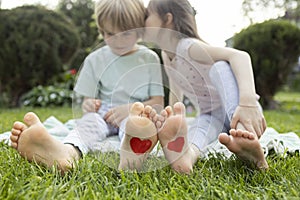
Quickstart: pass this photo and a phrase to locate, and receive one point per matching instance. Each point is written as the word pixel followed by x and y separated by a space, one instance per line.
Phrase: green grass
pixel 215 178
pixel 287 118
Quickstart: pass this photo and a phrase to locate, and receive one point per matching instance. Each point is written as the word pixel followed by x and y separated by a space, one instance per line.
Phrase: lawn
pixel 215 178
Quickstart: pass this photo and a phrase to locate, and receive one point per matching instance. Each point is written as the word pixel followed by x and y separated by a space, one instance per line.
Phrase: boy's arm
pixel 157 102
pixel 90 105
pixel 115 115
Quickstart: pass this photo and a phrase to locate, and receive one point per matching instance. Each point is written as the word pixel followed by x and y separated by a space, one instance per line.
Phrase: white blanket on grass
pixel 280 143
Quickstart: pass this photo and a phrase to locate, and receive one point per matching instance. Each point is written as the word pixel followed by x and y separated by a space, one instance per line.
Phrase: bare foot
pixel 140 137
pixel 34 143
pixel 246 146
pixel 173 139
pixel 242 133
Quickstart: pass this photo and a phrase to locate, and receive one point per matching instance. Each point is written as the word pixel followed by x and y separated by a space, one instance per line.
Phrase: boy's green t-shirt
pixel 120 80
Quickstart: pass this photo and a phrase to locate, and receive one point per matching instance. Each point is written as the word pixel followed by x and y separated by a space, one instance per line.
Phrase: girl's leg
pixel 208 126
pixel 174 140
pixel 205 130
pixel 240 142
pixel 223 79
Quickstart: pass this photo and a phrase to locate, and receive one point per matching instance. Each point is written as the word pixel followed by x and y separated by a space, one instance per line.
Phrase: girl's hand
pixel 251 118
pixel 117 114
pixel 90 105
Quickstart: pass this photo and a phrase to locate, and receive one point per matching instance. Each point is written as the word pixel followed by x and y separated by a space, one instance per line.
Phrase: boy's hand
pixel 115 115
pixel 90 105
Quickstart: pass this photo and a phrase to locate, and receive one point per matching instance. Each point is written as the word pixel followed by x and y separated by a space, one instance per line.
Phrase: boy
pixel 111 80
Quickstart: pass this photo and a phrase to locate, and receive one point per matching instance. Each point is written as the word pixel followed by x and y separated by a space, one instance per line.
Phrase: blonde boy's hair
pixel 122 14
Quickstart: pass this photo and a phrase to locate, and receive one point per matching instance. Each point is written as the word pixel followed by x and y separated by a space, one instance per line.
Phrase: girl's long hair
pixel 183 15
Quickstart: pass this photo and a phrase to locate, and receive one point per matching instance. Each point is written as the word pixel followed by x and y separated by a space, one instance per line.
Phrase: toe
pixel 31 119
pixel 15 132
pixel 161 118
pixel 245 134
pixel 137 108
pixel 179 108
pixel 164 114
pixel 149 112
pixel 233 132
pixel 155 118
pixel 152 113
pixel 19 127
pixel 14 138
pixel 14 145
pixel 224 138
pixel 158 124
pixel 251 136
pixel 168 111
pixel 239 133
pixel 147 109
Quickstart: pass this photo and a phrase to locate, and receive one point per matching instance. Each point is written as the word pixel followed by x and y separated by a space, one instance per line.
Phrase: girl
pixel 219 81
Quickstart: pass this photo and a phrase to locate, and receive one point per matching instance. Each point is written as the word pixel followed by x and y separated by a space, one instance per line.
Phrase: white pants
pixel 207 126
pixel 91 130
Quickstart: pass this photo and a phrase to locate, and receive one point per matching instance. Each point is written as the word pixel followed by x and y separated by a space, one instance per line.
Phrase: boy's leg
pixel 140 137
pixel 34 143
pixel 90 130
pixel 241 142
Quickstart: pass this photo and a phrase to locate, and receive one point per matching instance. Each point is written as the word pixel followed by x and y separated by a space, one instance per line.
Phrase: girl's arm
pixel 175 94
pixel 240 63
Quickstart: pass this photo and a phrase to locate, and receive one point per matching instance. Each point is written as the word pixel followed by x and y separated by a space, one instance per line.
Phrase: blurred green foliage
pixel 81 13
pixel 35 43
pixel 274 47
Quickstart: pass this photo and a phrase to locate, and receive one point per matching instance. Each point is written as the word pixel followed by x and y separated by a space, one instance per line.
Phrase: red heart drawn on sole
pixel 176 145
pixel 139 146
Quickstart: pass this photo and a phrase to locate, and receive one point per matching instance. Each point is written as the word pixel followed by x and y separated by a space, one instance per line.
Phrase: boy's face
pixel 121 43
